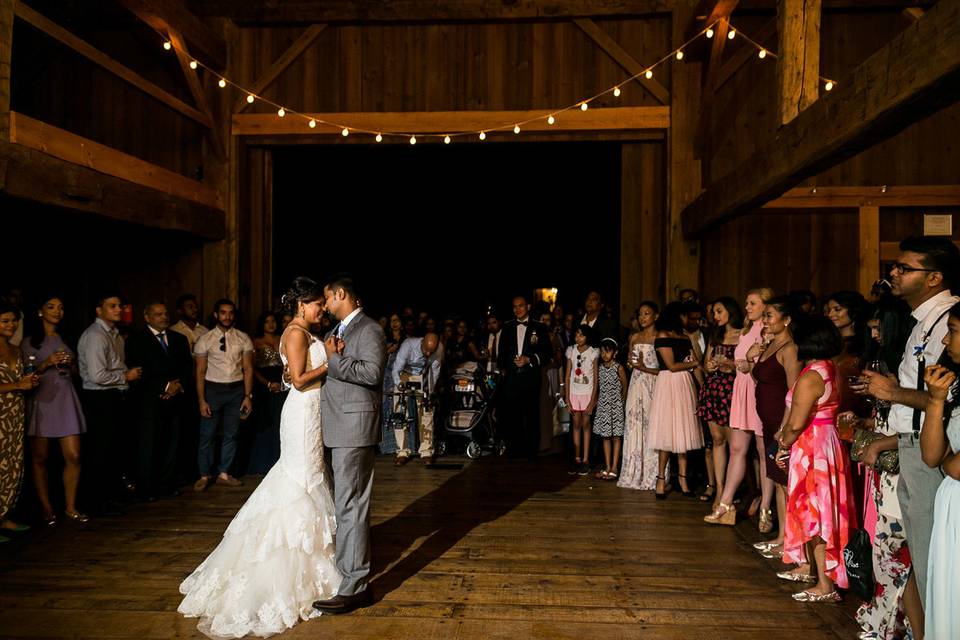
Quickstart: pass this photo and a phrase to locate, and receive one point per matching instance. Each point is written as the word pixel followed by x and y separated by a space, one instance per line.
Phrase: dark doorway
pixel 451 229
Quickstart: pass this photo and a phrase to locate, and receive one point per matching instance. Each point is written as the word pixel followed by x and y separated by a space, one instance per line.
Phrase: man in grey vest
pixel 350 404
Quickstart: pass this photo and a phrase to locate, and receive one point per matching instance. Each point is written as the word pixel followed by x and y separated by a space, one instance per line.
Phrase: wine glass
pixel 880 367
pixel 63 363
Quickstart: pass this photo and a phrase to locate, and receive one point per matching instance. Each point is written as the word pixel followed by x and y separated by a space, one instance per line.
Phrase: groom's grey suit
pixel 351 404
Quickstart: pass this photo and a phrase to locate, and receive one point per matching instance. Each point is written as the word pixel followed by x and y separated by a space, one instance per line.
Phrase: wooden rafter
pixel 798 64
pixel 917 73
pixel 56 142
pixel 622 58
pixel 701 140
pixel 6 51
pixel 165 15
pixel 611 119
pixel 744 54
pixel 288 57
pixel 63 36
pixel 196 90
pixel 933 195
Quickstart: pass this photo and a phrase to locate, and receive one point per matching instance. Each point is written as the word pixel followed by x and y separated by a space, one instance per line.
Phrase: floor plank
pixel 495 549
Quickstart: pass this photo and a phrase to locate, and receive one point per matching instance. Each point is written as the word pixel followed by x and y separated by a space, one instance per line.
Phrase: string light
pixel 677 53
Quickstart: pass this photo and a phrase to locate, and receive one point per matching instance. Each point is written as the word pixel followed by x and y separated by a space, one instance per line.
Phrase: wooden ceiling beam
pixel 934 195
pixel 164 15
pixel 6 52
pixel 196 90
pixel 440 122
pixel 917 73
pixel 798 64
pixel 619 55
pixel 287 58
pixel 63 36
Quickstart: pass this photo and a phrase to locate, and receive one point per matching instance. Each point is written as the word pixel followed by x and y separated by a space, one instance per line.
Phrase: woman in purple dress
pixel 55 411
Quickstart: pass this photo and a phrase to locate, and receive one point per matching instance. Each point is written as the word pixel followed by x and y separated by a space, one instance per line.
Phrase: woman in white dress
pixel 639 469
pixel 277 556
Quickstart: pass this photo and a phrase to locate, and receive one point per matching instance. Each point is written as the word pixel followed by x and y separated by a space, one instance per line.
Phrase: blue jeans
pixel 225 404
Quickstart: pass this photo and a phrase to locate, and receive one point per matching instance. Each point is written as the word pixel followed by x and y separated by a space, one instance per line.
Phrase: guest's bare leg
pixel 39 452
pixel 70 446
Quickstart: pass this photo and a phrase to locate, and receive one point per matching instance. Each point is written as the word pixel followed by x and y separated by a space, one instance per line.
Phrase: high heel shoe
pixel 661 496
pixel 50 520
pixel 766 521
pixel 76 517
pixel 707 494
pixel 686 493
pixel 724 514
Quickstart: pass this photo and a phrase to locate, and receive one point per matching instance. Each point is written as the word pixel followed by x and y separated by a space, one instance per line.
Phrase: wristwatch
pixel 249 395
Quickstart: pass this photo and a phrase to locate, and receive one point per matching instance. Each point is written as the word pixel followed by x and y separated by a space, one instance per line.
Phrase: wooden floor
pixel 495 549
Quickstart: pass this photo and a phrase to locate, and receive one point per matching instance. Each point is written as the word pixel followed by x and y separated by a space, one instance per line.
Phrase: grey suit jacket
pixel 352 397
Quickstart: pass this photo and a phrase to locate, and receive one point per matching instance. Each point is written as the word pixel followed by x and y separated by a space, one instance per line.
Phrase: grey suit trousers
pixel 353 484
pixel 917 492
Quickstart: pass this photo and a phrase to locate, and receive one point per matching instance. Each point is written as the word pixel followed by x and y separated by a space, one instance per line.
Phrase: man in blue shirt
pixel 418 358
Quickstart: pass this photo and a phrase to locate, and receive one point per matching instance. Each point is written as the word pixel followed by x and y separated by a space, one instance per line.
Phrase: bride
pixel 277 556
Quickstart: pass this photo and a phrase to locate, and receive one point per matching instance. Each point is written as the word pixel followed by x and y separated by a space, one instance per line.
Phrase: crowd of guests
pixel 776 391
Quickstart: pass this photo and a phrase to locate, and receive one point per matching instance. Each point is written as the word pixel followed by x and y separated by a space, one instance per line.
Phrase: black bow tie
pixel 523 323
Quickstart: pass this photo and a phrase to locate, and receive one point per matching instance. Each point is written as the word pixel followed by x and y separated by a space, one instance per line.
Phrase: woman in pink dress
pixel 820 506
pixel 744 422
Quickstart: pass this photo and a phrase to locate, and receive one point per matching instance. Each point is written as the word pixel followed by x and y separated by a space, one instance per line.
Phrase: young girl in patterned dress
pixel 608 422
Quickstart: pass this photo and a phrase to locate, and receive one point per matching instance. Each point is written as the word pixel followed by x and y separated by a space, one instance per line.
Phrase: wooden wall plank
pixel 6 51
pixel 868 267
pixel 301 44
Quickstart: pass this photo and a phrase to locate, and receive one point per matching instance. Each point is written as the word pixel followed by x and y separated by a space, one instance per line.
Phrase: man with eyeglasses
pixel 224 358
pixel 923 275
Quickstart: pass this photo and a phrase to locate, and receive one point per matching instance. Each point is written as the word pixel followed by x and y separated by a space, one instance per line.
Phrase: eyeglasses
pixel 223 343
pixel 901 269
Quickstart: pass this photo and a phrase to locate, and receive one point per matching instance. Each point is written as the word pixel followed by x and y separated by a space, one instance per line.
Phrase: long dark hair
pixel 262 322
pixel 670 318
pixel 734 315
pixel 859 311
pixel 893 315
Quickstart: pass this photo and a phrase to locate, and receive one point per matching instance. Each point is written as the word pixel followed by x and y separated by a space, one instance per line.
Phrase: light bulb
pixel 167 45
pixel 193 64
pixel 551 120
pixel 762 54
pixel 516 128
pixel 345 132
pixel 583 106
pixel 222 83
pixel 648 74
pixel 446 139
pixel 413 139
pixel 829 85
pixel 709 33
pixel 281 112
pixel 616 92
pixel 379 138
pixel 312 124
pixel 679 55
pixel 483 136
pixel 250 98
pixel 732 34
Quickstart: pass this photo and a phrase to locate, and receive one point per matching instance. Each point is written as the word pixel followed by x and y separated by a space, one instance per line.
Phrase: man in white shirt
pixel 224 370
pixel 922 275
pixel 189 324
pixel 417 357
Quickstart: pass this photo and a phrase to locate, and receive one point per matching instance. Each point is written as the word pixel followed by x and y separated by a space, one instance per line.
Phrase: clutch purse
pixel 888 461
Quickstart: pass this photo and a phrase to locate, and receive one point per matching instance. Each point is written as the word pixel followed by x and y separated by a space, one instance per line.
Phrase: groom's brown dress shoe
pixel 345 604
pixel 401 460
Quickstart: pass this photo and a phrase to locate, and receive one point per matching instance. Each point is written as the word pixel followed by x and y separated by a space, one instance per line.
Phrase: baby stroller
pixel 470 412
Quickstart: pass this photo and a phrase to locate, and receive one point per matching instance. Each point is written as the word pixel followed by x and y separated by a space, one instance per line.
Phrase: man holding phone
pixel 224 359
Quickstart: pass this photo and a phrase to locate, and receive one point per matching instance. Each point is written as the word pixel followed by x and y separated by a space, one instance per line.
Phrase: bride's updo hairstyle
pixel 302 289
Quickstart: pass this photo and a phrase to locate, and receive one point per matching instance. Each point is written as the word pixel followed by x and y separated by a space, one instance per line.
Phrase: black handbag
pixel 858 558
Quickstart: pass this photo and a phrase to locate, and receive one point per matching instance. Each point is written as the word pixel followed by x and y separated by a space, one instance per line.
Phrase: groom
pixel 350 405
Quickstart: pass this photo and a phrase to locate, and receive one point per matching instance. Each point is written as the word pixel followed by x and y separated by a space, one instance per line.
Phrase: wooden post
pixel 798 68
pixel 6 48
pixel 683 256
pixel 868 267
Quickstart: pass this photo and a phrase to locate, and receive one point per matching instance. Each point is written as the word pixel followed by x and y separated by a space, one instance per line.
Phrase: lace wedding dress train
pixel 277 556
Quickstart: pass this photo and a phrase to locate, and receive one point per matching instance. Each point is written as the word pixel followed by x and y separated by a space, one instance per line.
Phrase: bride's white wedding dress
pixel 277 556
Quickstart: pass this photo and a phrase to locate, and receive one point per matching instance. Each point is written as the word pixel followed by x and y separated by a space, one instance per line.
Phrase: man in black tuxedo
pixel 158 398
pixel 524 348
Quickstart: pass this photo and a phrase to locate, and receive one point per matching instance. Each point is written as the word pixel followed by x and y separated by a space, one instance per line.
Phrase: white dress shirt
pixel 224 367
pixel 521 334
pixel 342 327
pixel 192 335
pixel 901 416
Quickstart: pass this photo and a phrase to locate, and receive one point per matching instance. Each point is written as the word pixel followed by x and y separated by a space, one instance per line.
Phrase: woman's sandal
pixel 724 514
pixel 686 493
pixel 661 496
pixel 709 493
